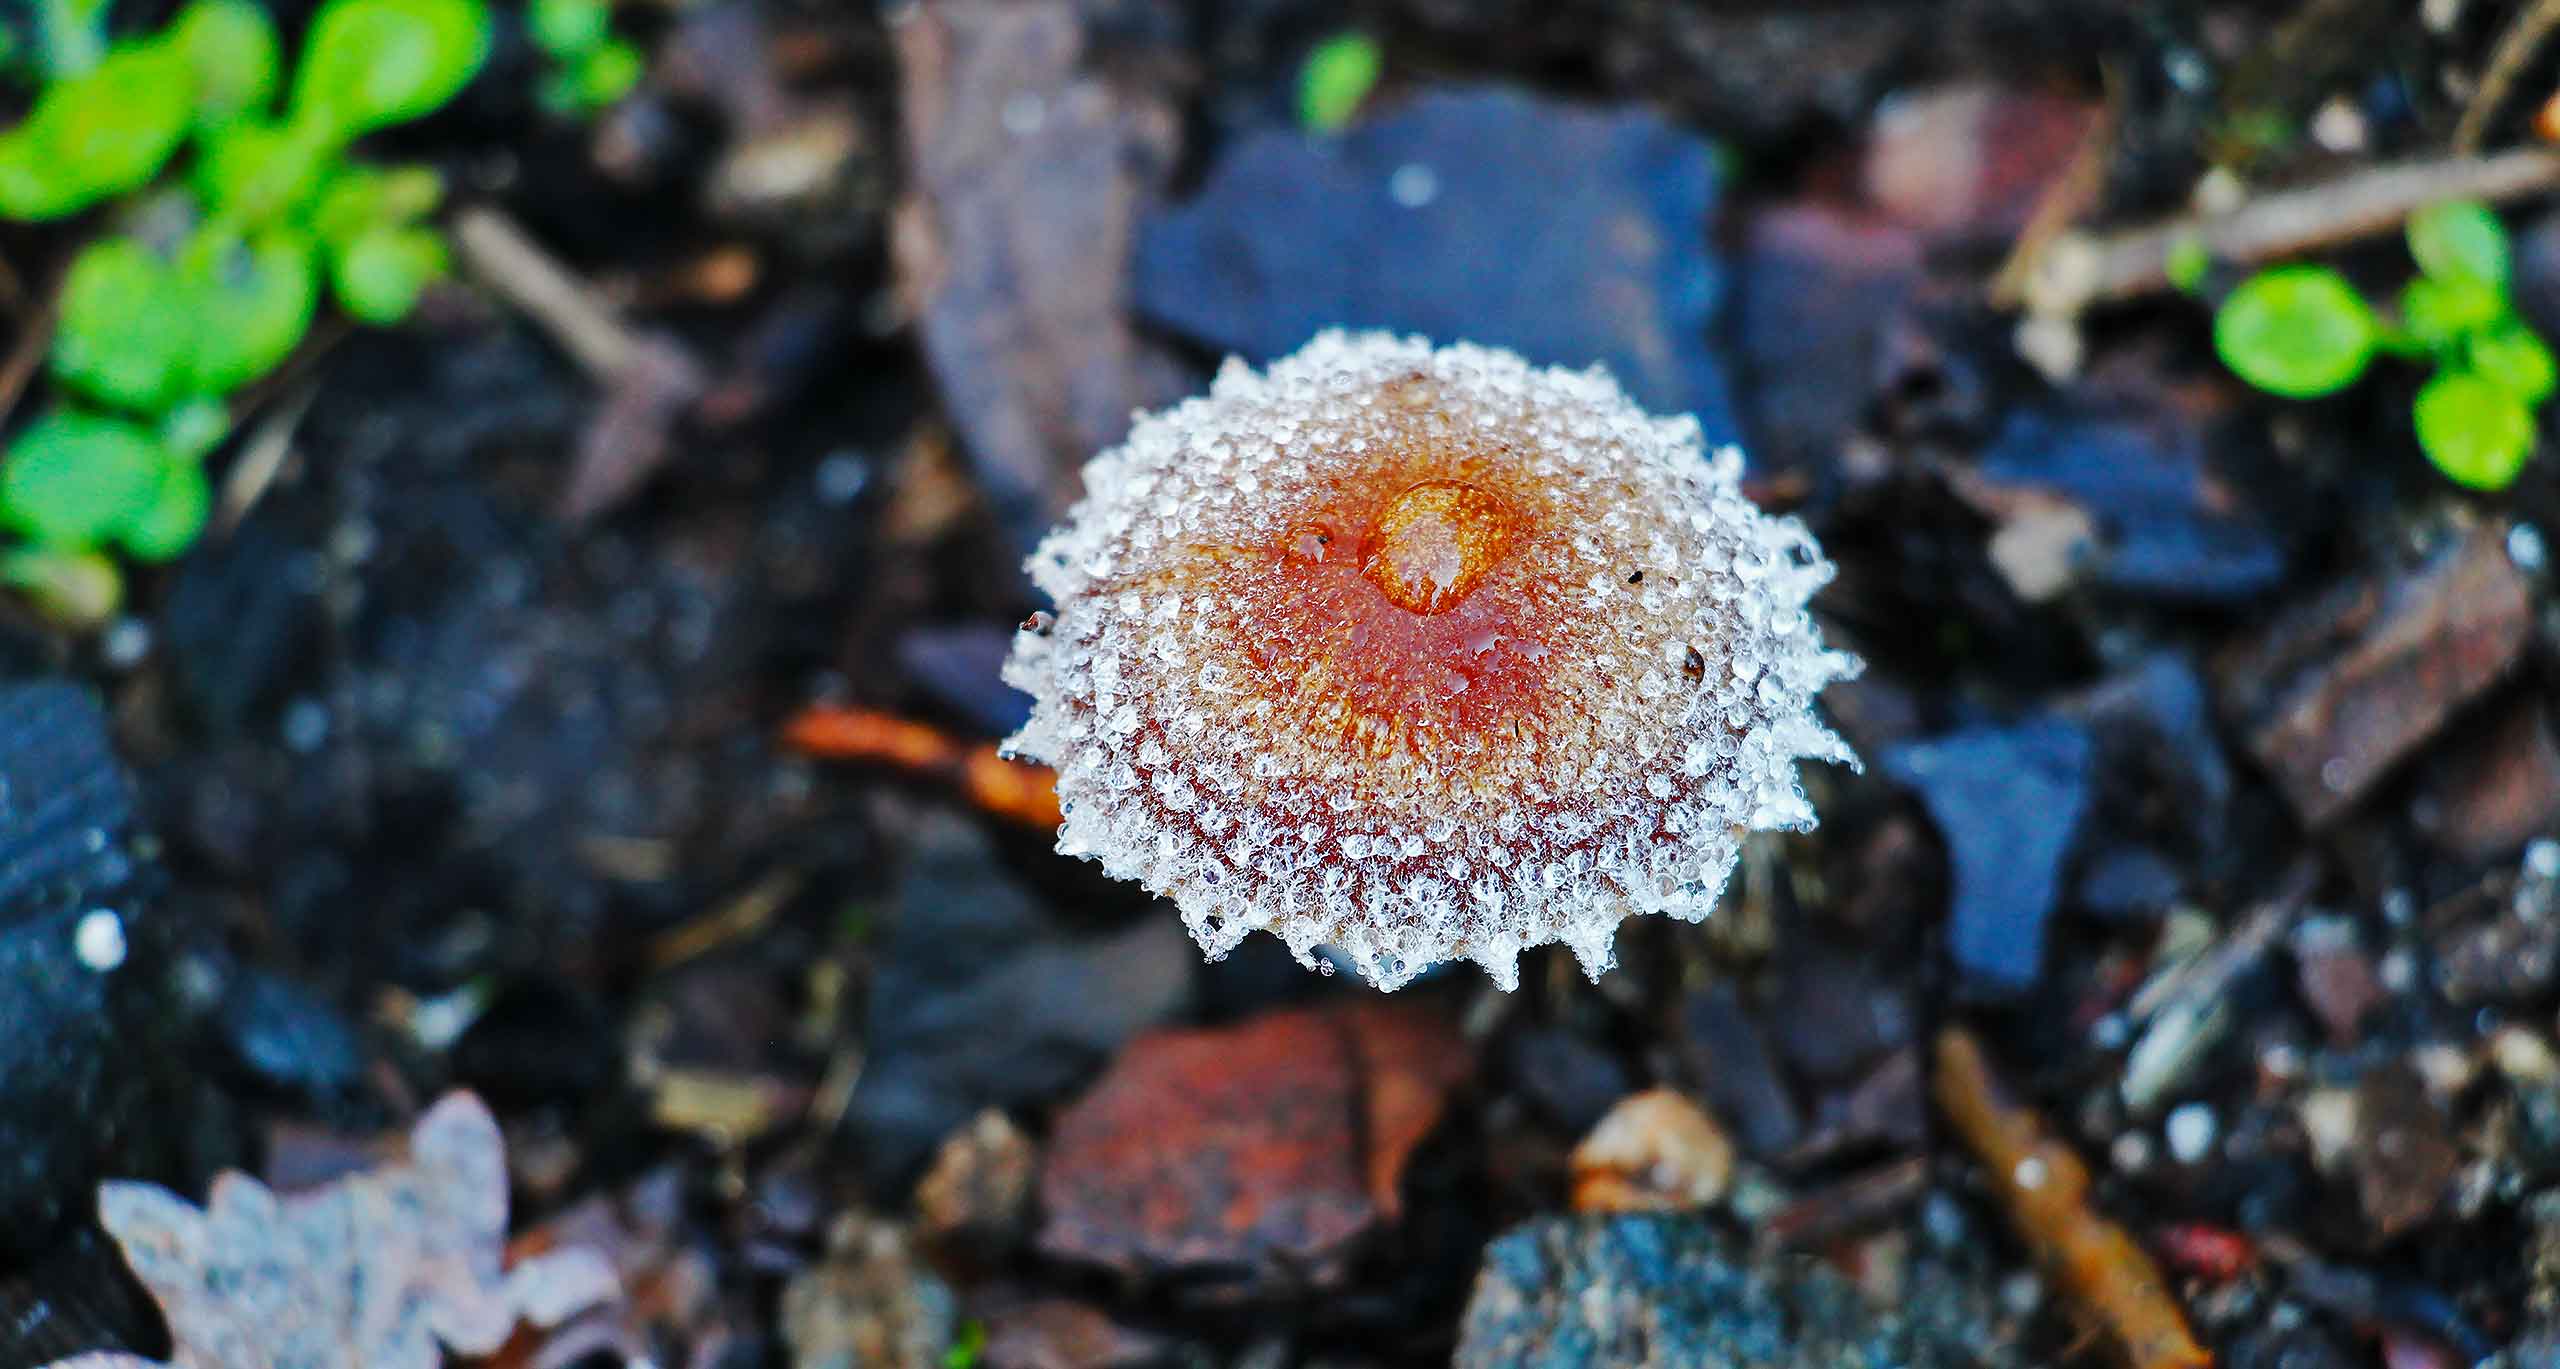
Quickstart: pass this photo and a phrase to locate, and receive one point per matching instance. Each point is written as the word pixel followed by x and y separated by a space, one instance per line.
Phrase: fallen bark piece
pixel 1029 174
pixel 370 1272
pixel 1248 1158
pixel 2044 1188
pixel 2337 694
pixel 1009 789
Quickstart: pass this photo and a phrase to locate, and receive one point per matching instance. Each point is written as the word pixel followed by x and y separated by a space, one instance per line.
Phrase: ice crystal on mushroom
pixel 1423 654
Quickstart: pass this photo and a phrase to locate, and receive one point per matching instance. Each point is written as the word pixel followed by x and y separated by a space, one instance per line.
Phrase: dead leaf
pixel 369 1272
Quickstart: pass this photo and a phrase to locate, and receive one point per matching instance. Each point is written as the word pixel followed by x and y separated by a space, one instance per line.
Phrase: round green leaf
pixel 254 299
pixel 2437 310
pixel 231 45
pixel 2187 264
pixel 174 518
pixel 74 479
pixel 75 588
pixel 569 28
pixel 125 332
pixel 2513 359
pixel 255 172
pixel 380 275
pixel 2477 433
pixel 604 76
pixel 371 63
pixel 2296 331
pixel 96 135
pixel 2460 240
pixel 1337 79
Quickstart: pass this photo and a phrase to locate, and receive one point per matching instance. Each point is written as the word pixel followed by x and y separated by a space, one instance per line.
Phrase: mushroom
pixel 1422 653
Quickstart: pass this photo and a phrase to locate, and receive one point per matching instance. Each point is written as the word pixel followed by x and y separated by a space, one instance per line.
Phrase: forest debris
pixel 1655 1152
pixel 1602 218
pixel 1857 1203
pixel 2340 691
pixel 871 1305
pixel 1024 792
pixel 1059 1333
pixel 2044 1187
pixel 2498 786
pixel 2008 801
pixel 650 379
pixel 2403 1155
pixel 978 1191
pixel 2187 1008
pixel 369 1272
pixel 2080 269
pixel 1727 1059
pixel 1972 158
pixel 2523 37
pixel 1028 173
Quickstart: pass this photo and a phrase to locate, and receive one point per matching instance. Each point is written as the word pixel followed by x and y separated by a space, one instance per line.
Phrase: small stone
pixel 1655 1151
pixel 2190 1131
pixel 1656 1291
pixel 2403 1156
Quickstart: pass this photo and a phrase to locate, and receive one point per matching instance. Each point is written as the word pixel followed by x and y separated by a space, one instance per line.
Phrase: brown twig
pixel 1025 793
pixel 2065 199
pixel 2080 269
pixel 2523 38
pixel 2045 1189
pixel 35 336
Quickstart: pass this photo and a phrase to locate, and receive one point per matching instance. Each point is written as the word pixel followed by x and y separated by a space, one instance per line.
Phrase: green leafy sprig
pixel 2302 332
pixel 216 275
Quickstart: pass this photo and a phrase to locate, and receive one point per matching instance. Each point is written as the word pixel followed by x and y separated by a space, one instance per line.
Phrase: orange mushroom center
pixel 1436 542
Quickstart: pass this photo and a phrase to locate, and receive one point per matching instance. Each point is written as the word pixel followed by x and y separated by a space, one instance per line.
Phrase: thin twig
pixel 2066 198
pixel 27 355
pixel 2516 47
pixel 2044 1187
pixel 501 255
pixel 2080 269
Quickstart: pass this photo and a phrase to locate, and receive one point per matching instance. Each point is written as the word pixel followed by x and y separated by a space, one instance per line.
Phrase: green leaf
pixel 369 64
pixel 380 275
pixel 2460 240
pixel 604 76
pixel 174 518
pixel 569 28
pixel 75 588
pixel 194 428
pixel 2513 359
pixel 360 199
pixel 2187 264
pixel 255 172
pixel 253 298
pixel 1337 79
pixel 2475 432
pixel 125 331
pixel 74 480
pixel 96 135
pixel 2438 310
pixel 72 36
pixel 2296 331
pixel 231 46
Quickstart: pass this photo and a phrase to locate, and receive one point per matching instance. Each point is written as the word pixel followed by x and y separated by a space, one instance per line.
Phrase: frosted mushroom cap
pixel 1422 653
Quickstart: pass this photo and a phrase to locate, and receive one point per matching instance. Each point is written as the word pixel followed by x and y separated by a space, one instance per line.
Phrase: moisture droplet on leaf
pixel 1351 652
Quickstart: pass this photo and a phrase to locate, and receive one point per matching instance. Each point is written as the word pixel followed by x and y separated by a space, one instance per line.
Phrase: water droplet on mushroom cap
pixel 1436 542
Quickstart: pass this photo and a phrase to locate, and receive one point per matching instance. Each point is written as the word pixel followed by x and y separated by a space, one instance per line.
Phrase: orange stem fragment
pixel 2045 1189
pixel 1025 793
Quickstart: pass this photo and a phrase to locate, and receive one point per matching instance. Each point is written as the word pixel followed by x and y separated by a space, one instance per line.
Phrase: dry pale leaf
pixel 369 1272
